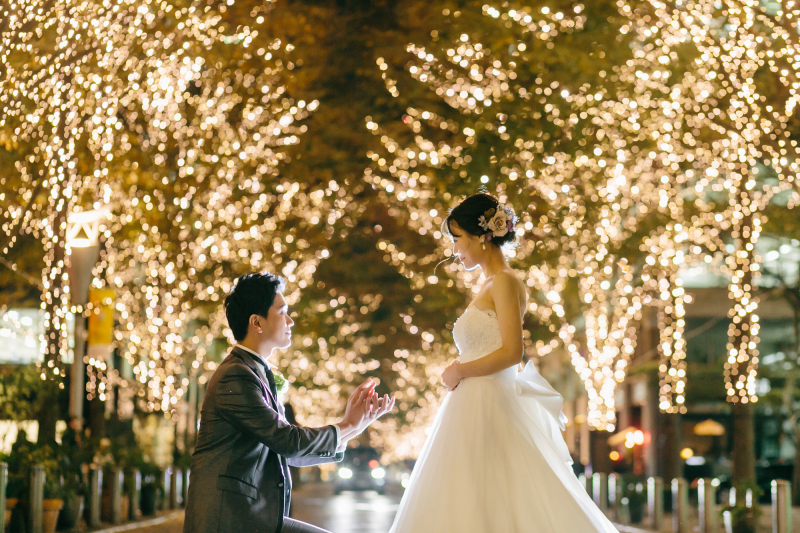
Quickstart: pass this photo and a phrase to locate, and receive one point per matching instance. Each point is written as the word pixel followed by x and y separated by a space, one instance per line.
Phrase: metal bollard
pixel 185 495
pixel 706 501
pixel 175 490
pixel 136 494
pixel 655 502
pixel 732 497
pixel 624 516
pixel 116 495
pixel 3 486
pixel 781 506
pixel 727 521
pixel 167 487
pixel 95 493
pixel 36 497
pixel 600 488
pixel 614 494
pixel 582 480
pixel 680 506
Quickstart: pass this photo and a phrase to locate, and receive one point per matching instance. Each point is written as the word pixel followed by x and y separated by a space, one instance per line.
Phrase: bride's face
pixel 466 247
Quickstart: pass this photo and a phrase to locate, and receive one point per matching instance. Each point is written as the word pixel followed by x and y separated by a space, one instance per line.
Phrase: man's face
pixel 276 328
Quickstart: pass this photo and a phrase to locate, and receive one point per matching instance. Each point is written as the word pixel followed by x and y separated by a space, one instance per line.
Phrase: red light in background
pixel 374 464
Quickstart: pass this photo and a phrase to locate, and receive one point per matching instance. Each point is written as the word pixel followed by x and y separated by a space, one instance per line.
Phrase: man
pixel 240 477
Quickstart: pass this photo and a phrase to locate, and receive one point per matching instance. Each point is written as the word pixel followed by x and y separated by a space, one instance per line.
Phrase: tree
pixel 541 132
pixel 177 124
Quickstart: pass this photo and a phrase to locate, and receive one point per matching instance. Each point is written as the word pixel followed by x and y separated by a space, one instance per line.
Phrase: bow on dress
pixel 529 383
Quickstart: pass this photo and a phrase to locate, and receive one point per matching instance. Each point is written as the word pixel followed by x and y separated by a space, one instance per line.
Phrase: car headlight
pixel 345 473
pixel 379 473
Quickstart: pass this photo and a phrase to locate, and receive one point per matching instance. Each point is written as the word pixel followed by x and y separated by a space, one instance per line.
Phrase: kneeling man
pixel 240 478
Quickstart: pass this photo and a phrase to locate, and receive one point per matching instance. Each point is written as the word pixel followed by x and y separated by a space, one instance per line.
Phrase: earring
pixel 483 242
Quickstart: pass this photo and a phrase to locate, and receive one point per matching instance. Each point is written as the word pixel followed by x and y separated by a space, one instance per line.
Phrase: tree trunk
pixel 48 415
pixel 744 455
pixel 671 439
pixel 788 398
pixel 97 417
pixel 742 364
pixel 744 443
pixel 796 474
pixel 55 293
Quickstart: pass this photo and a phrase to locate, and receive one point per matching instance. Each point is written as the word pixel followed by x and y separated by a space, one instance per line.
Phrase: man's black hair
pixel 253 294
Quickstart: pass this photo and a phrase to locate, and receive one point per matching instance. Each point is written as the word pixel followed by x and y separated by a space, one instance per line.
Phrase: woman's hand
pixel 452 376
pixel 378 407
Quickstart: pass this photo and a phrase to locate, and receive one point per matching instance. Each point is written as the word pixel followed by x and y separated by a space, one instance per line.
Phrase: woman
pixel 495 460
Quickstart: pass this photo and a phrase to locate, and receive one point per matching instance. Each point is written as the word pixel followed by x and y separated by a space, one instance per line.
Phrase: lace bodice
pixel 477 333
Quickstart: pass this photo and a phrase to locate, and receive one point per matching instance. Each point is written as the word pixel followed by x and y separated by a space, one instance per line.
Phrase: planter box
pixel 71 513
pixel 149 499
pixel 125 512
pixel 10 504
pixel 50 510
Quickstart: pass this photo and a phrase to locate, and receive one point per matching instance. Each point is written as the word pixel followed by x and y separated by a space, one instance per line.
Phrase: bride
pixel 495 460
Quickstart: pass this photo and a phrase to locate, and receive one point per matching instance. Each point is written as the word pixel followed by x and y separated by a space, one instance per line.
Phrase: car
pixel 360 470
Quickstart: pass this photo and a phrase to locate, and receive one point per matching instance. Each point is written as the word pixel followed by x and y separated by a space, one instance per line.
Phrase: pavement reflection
pixel 349 512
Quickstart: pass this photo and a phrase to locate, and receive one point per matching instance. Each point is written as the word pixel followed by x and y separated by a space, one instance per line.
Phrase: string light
pixel 177 118
pixel 577 202
pixel 739 137
pixel 131 106
pixel 664 261
pixel 660 136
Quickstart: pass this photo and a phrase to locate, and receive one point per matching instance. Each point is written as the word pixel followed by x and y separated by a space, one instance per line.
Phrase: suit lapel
pixel 256 367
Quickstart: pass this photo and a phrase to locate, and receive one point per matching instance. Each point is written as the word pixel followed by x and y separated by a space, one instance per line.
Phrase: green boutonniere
pixel 281 382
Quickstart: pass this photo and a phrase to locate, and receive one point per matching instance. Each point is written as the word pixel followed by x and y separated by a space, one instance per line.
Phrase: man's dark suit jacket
pixel 240 481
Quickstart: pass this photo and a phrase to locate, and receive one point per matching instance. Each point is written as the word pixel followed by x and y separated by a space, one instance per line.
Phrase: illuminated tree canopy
pixel 325 141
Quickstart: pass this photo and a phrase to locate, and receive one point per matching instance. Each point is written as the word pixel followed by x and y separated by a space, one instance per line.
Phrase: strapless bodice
pixel 477 334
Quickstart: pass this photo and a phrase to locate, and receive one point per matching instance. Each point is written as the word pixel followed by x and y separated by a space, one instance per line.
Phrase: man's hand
pixel 357 408
pixel 363 408
pixel 452 376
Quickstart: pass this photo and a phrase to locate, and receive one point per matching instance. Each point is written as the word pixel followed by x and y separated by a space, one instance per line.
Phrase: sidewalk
pixel 170 522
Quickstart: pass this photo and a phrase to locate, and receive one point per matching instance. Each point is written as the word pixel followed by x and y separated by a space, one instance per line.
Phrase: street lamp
pixel 83 231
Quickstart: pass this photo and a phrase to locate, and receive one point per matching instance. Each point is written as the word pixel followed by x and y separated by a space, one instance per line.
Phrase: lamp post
pixel 83 230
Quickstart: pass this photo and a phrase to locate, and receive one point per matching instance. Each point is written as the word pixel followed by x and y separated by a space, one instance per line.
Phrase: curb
pixel 630 529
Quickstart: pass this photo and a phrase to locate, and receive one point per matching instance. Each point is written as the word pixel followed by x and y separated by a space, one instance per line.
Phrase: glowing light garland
pixel 665 259
pixel 743 51
pixel 669 156
pixel 680 132
pixel 567 187
pixel 130 105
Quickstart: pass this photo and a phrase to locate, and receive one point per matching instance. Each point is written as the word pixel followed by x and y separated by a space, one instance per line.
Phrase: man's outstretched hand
pixel 363 408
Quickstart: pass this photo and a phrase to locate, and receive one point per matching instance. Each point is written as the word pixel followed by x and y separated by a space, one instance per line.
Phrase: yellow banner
pixel 101 319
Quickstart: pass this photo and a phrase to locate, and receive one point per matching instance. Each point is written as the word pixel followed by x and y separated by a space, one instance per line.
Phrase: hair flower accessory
pixel 498 222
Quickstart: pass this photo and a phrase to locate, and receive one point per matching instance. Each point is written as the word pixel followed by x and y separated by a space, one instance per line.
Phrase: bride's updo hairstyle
pixel 483 215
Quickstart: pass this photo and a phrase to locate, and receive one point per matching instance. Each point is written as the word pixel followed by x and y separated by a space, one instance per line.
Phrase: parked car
pixel 360 470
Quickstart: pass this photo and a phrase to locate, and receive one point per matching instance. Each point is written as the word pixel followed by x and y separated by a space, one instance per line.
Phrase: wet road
pixel 349 512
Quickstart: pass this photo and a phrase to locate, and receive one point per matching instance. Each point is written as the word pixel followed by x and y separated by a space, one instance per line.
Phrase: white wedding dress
pixel 495 460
